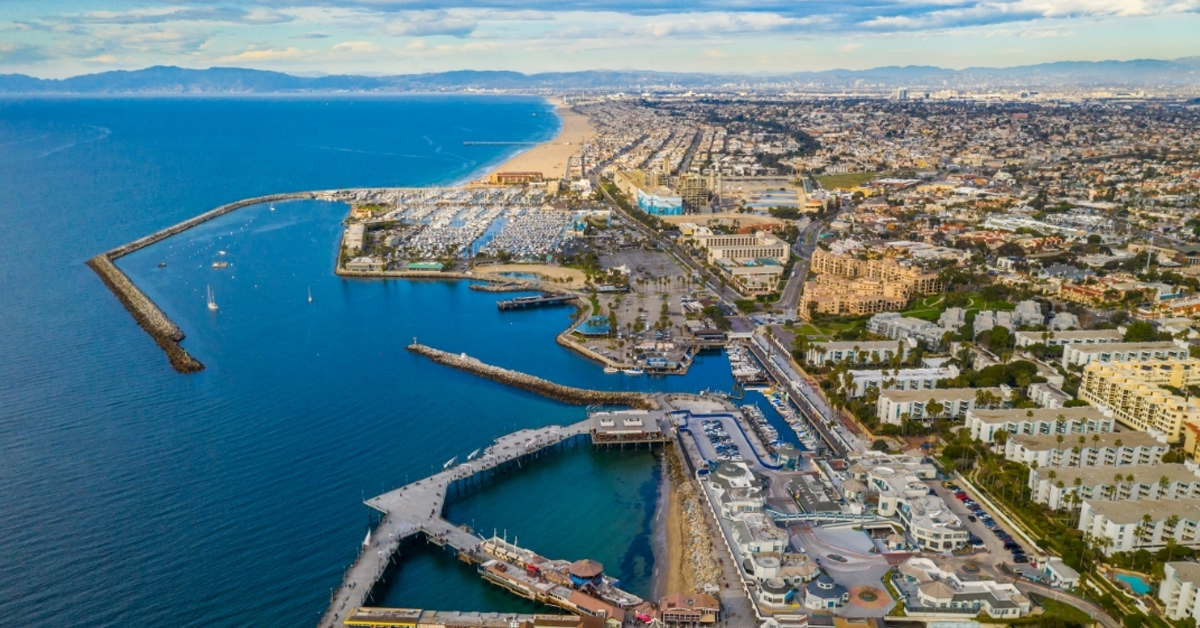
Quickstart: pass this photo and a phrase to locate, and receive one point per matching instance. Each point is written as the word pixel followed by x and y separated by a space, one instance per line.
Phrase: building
pixel 894 404
pixel 353 238
pixel 629 426
pixel 754 277
pixel 836 296
pixel 365 265
pixel 659 201
pixel 755 532
pixel 895 326
pixel 1128 483
pixel 902 379
pixel 1179 590
pixel 914 280
pixel 1081 355
pixel 1111 449
pixel 689 610
pixel 1060 574
pixel 1028 313
pixel 1148 526
pixel 741 247
pixel 1062 338
pixel 934 591
pixel 1046 395
pixel 514 178
pixel 983 424
pixel 1133 393
pixel 825 594
pixel 738 490
pixel 1063 321
pixel 856 353
pixel 898 484
pixel 990 319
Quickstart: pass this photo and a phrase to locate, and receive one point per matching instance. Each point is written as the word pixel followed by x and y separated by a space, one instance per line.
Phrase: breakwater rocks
pixel 516 379
pixel 148 316
pixel 699 560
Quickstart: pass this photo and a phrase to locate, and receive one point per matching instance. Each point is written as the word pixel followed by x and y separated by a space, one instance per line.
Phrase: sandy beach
pixel 550 158
pixel 568 276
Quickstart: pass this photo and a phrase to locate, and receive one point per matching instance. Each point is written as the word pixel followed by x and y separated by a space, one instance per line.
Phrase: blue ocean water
pixel 134 496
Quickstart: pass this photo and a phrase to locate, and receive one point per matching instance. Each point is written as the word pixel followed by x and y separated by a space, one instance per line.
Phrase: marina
pixel 541 300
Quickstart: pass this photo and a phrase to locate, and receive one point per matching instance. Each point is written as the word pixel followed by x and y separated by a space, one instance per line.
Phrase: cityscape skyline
pixel 371 37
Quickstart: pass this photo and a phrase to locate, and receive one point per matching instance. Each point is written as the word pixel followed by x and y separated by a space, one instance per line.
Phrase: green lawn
pixel 854 179
pixel 1064 611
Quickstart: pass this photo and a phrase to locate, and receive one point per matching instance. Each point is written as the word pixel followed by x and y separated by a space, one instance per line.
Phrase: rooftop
pixel 1050 441
pixel 1142 474
pixel 1036 414
pixel 940 394
pixel 1120 512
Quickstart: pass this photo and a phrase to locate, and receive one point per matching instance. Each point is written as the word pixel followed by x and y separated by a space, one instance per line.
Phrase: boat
pixel 220 264
pixel 220 252
pixel 472 455
pixel 272 206
pixel 450 463
pixel 162 264
pixel 633 371
pixel 310 295
pixel 610 370
pixel 212 303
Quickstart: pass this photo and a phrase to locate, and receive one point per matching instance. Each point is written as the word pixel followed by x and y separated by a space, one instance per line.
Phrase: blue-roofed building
pixel 660 201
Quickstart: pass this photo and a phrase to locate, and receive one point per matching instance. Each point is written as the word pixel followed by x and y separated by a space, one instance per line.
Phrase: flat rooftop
pixel 1109 439
pixel 1123 513
pixel 1110 334
pixel 1120 347
pixel 1037 414
pixel 1142 474
pixel 949 394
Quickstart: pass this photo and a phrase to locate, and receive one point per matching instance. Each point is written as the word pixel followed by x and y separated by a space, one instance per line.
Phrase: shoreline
pixel 551 156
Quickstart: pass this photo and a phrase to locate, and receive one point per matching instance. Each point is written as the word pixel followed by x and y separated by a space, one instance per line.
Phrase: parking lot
pixel 719 439
pixel 996 552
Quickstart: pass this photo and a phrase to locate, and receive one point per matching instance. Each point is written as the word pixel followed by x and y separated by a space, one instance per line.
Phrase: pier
pixel 416 509
pixel 516 379
pixel 541 300
pixel 476 143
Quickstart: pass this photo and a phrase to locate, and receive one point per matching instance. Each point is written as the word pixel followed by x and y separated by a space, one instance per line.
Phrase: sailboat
pixel 212 303
pixel 272 206
pixel 310 295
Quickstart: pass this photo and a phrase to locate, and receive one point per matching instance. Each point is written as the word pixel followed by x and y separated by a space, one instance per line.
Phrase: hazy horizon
pixel 389 37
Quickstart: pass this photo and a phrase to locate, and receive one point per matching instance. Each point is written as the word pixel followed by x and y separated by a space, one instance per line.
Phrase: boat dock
pixel 417 509
pixel 540 300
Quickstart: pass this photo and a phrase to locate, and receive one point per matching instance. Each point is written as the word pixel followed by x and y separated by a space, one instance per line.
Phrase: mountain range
pixel 1140 73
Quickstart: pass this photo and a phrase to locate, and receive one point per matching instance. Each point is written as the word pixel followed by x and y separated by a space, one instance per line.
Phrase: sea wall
pixel 148 315
pixel 516 379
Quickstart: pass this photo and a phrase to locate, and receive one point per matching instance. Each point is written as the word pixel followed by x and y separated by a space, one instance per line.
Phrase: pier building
pixel 417 618
pixel 629 427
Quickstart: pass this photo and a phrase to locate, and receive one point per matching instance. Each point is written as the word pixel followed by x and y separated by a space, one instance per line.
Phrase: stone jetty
pixel 148 315
pixel 516 379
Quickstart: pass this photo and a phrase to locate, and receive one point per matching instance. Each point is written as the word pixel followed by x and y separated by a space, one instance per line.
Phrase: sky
pixel 59 38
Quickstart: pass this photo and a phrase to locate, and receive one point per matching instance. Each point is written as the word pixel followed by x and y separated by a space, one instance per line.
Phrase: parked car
pixel 971 518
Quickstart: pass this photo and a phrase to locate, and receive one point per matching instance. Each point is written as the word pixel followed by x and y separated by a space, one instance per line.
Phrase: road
pixel 803 250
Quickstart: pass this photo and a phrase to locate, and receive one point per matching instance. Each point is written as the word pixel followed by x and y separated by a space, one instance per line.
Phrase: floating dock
pixel 541 300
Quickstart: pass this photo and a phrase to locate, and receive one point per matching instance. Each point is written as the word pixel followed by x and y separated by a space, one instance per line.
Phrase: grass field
pixel 1065 612
pixel 853 179
pixel 931 307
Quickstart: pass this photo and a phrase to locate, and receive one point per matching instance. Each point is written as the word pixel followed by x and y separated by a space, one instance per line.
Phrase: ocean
pixel 135 496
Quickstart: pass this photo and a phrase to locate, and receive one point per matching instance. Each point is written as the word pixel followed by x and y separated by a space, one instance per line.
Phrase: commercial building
pixel 1146 526
pixel 417 618
pixel 895 404
pixel 1133 393
pixel 514 178
pixel 855 352
pixel 761 244
pixel 1179 590
pixel 1081 355
pixel 983 424
pixel 689 610
pixel 1062 338
pixel 897 483
pixel 660 201
pixel 365 265
pixel 1111 449
pixel 629 426
pixel 1129 483
pixel 935 591
pixel 754 277
pixel 902 379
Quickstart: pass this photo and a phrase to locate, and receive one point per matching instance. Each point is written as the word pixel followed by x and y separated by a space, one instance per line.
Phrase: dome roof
pixel 776 586
pixel 937 590
pixel 586 569
pixel 825 588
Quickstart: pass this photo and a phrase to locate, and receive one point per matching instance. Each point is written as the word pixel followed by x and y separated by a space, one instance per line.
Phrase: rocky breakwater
pixel 697 560
pixel 516 379
pixel 148 316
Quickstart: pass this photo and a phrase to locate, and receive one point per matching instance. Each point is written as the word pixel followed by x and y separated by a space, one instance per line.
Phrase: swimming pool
pixel 1137 583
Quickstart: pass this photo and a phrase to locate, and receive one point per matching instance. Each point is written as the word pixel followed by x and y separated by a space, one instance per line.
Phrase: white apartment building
pixel 876 352
pixel 943 594
pixel 1080 355
pixel 897 481
pixel 1179 590
pixel 1134 393
pixel 983 424
pixel 1110 449
pixel 893 325
pixel 893 404
pixel 1063 338
pixel 904 379
pixel 1128 530
pixel 1129 483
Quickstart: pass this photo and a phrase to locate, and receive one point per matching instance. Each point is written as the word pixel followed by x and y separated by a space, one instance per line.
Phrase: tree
pixel 1140 331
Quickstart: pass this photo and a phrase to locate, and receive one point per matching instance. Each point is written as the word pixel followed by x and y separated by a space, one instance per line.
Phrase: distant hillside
pixel 1146 73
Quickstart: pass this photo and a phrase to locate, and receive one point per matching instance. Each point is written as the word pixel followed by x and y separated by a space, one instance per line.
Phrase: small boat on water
pixel 162 264
pixel 310 295
pixel 634 372
pixel 610 370
pixel 212 303
pixel 272 207
pixel 220 265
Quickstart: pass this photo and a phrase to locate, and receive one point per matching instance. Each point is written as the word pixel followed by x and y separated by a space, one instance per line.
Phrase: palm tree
pixel 1171 524
pixel 1163 484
